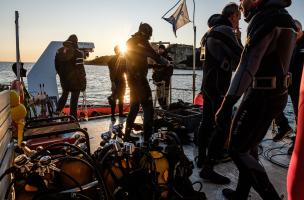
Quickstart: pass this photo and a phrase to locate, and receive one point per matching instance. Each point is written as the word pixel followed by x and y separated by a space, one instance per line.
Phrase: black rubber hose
pixel 42 195
pixel 88 158
pixel 8 171
pixel 9 189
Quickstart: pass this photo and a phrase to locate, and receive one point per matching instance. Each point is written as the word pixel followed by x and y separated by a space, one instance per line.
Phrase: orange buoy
pixel 199 100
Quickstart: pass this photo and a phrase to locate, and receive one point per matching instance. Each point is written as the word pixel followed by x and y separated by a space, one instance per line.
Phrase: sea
pixel 99 85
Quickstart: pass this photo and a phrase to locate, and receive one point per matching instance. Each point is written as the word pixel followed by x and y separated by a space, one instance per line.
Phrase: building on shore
pixel 182 54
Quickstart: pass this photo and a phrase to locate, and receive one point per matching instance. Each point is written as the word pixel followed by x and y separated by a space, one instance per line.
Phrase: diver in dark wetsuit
pixel 162 77
pixel 70 68
pixel 139 49
pixel 117 69
pixel 222 52
pixel 296 68
pixel 262 76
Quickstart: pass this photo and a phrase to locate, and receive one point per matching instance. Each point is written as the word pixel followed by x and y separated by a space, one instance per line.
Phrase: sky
pixel 104 22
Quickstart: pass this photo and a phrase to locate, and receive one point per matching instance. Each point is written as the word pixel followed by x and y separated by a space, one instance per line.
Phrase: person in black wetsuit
pixel 296 68
pixel 221 51
pixel 117 69
pixel 262 76
pixel 162 77
pixel 138 50
pixel 70 68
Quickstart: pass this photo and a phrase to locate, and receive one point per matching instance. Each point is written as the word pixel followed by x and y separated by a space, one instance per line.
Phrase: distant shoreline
pixel 105 65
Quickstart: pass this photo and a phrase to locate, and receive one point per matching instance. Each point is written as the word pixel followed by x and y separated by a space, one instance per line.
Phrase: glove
pixel 224 113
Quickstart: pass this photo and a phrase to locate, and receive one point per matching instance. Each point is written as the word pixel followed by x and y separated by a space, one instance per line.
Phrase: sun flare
pixel 122 47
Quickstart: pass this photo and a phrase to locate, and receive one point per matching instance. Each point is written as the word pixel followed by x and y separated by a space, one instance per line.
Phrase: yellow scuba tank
pixel 158 163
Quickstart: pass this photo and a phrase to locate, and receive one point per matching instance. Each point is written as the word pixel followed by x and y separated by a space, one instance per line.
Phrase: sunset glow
pixel 123 47
pixel 105 23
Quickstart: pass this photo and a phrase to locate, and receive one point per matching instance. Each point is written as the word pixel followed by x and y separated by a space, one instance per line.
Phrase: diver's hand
pixel 223 116
pixel 224 113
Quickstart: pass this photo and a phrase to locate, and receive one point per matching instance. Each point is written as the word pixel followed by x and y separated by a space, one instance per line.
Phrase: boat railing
pixel 177 93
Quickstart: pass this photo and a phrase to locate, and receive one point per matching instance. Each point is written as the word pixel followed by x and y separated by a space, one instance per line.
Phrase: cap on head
pixel 73 38
pixel 146 29
pixel 162 46
pixel 213 20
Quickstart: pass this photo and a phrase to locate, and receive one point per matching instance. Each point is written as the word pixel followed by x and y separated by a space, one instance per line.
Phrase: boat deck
pixel 269 148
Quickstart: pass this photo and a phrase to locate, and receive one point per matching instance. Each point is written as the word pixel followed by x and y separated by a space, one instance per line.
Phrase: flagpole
pixel 194 50
pixel 17 44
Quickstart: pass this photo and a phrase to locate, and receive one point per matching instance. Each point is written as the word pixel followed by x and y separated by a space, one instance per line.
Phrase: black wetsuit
pixel 70 68
pixel 222 54
pixel 139 49
pixel 161 77
pixel 296 68
pixel 262 77
pixel 117 69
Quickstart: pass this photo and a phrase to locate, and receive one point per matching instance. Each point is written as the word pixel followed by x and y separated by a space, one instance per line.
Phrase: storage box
pixel 190 118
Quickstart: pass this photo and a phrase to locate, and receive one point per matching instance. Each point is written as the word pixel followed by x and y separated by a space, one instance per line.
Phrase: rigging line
pixel 171 9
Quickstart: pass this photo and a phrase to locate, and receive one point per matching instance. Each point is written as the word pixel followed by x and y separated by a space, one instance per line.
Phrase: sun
pixel 123 47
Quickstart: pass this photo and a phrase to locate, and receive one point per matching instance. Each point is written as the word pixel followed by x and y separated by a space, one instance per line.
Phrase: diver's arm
pixel 110 66
pixel 234 52
pixel 148 51
pixel 249 65
pixel 223 52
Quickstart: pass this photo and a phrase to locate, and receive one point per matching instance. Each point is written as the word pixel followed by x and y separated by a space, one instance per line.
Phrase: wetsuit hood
pixel 277 3
pixel 70 44
pixel 218 19
pixel 248 14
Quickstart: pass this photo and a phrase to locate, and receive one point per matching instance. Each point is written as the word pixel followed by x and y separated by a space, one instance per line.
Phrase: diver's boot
pixel 128 137
pixel 241 192
pixel 208 174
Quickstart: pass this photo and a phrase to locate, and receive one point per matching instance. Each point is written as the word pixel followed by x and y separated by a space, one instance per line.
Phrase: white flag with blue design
pixel 179 18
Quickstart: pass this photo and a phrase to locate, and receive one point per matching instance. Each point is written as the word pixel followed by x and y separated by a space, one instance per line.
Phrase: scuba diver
pixel 69 66
pixel 262 78
pixel 220 53
pixel 117 69
pixel 139 49
pixel 162 77
pixel 296 68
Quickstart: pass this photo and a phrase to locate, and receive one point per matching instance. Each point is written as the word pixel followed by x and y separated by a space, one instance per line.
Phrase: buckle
pixel 287 80
pixel 264 83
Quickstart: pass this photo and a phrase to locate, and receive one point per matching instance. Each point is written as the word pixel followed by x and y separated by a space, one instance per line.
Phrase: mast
pixel 17 44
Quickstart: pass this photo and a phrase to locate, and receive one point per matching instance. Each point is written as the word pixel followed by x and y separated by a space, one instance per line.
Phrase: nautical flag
pixel 179 18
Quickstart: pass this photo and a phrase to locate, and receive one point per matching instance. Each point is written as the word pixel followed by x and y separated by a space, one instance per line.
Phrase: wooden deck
pixel 276 174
